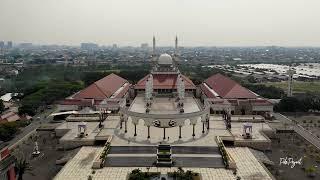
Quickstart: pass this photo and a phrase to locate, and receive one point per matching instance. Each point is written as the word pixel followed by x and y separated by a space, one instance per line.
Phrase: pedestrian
pixel 168 138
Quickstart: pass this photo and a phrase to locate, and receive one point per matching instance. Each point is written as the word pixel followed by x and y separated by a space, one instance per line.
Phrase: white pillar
pixel 180 88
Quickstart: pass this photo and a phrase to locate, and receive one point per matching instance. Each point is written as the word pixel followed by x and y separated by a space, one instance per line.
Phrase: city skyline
pixel 127 23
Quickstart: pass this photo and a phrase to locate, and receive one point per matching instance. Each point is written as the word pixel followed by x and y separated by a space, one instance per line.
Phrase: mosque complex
pixel 126 125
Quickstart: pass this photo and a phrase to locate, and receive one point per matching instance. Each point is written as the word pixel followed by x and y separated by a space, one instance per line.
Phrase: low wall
pixel 255 144
pixel 14 145
pixel 263 145
pixel 231 163
pixel 61 132
pixel 71 144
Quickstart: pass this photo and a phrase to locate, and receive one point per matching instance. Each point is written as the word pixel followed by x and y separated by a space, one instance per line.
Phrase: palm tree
pixel 23 166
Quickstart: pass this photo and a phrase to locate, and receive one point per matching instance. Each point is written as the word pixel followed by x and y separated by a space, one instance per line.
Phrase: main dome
pixel 165 59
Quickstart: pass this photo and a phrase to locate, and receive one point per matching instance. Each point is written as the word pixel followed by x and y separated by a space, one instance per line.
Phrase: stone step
pixel 195 150
pixel 202 162
pixel 133 150
pixel 153 150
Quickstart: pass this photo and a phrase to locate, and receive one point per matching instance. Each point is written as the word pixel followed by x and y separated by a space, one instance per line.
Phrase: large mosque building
pixel 164 121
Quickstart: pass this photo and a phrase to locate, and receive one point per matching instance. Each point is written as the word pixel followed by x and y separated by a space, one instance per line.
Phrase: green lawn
pixel 298 86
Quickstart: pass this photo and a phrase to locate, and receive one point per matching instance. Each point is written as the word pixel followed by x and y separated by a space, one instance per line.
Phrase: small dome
pixel 165 59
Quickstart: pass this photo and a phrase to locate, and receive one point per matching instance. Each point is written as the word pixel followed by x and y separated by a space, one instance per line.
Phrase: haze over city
pixel 196 22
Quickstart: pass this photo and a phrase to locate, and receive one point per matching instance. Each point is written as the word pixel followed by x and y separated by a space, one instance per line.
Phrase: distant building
pixel 9 117
pixel 25 45
pixel 114 46
pixel 89 46
pixel 1 44
pixel 6 97
pixel 10 45
pixel 144 45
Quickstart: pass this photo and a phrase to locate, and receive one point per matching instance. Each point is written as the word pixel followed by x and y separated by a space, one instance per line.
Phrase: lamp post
pixel 193 134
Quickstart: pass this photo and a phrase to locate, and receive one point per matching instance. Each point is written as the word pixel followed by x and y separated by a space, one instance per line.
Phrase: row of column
pixel 205 123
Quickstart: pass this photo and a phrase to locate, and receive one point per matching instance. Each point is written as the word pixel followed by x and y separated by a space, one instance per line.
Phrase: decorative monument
pixel 36 151
pixel 82 129
pixel 247 131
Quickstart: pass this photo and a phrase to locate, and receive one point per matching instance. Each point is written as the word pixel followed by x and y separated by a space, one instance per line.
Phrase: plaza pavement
pixel 79 168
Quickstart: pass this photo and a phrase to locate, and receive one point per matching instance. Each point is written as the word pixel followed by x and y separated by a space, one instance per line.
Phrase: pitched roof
pixel 102 88
pixel 207 91
pixel 228 88
pixel 7 97
pixel 165 81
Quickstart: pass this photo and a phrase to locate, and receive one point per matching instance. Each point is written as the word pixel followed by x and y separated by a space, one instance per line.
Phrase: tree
pixel 137 174
pixel 8 130
pixel 290 104
pixel 23 166
pixel 2 108
pixel 265 91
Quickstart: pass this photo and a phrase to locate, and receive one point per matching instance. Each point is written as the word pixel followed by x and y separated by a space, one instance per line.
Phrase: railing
pixel 227 159
pixel 304 133
pixel 102 156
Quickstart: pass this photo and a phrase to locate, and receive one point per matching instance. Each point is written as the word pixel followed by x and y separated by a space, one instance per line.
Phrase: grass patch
pixel 298 86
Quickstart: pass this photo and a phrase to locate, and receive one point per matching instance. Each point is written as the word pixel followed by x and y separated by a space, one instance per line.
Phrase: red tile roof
pixel 228 88
pixel 165 81
pixel 102 88
pixel 80 102
pixel 123 91
pixel 206 91
pixel 9 117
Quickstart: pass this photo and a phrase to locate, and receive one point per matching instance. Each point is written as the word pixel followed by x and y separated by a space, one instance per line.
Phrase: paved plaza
pixel 79 168
pixel 164 105
pixel 199 153
pixel 248 167
pixel 72 127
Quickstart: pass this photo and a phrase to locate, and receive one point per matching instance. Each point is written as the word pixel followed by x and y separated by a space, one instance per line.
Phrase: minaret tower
pixel 290 72
pixel 176 51
pixel 153 47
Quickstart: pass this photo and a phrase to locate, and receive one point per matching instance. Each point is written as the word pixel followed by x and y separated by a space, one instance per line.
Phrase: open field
pixel 298 86
pixel 310 122
pixel 292 145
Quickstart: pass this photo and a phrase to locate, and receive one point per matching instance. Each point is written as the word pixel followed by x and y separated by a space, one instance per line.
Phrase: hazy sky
pixel 132 22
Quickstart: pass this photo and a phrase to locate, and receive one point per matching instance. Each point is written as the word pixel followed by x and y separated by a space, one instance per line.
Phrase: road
pixel 300 130
pixel 32 126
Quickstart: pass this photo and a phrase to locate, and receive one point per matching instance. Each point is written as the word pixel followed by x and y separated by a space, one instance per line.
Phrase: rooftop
pixel 225 87
pixel 165 81
pixel 103 88
pixel 165 59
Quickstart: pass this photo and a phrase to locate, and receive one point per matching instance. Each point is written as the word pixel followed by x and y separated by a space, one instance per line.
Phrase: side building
pixel 106 94
pixel 224 94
